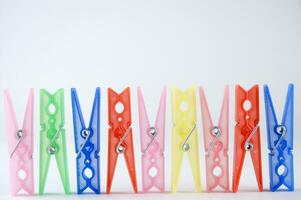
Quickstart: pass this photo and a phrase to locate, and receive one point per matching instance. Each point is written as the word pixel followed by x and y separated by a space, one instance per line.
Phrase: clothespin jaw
pixel 120 139
pixel 53 137
pixel 247 134
pixel 216 144
pixel 87 145
pixel 152 144
pixel 20 143
pixel 280 141
pixel 184 135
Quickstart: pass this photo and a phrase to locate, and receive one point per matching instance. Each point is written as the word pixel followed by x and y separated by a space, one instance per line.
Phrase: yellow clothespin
pixel 185 135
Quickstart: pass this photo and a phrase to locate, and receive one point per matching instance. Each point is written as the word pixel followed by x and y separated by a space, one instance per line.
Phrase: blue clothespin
pixel 87 145
pixel 280 142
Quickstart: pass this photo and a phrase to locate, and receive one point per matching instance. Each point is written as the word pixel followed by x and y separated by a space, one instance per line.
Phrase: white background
pixel 119 43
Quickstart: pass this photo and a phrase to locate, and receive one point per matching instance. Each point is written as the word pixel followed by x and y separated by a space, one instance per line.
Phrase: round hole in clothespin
pixel 153 171
pixel 184 106
pixel 217 171
pixel 119 107
pixel 282 170
pixel 153 160
pixel 119 119
pixel 247 105
pixel 51 109
pixel 22 174
pixel 88 173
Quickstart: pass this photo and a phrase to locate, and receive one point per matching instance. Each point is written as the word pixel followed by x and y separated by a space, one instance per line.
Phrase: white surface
pixel 85 44
pixel 178 196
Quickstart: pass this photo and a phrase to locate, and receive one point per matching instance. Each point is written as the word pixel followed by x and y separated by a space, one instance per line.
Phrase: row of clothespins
pixel 152 138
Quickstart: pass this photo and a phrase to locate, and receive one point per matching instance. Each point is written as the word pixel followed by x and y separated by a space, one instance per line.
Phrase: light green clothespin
pixel 52 137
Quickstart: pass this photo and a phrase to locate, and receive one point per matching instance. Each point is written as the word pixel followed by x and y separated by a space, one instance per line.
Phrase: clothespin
pixel 280 141
pixel 20 143
pixel 87 144
pixel 152 144
pixel 216 144
pixel 185 135
pixel 247 134
pixel 120 139
pixel 53 137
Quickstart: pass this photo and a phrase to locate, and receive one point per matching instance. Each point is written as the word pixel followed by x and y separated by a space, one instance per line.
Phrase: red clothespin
pixel 120 139
pixel 247 134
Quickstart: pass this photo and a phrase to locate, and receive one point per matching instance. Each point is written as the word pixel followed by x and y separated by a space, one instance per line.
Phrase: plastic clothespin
pixel 53 137
pixel 216 144
pixel 247 134
pixel 87 144
pixel 152 144
pixel 280 141
pixel 185 135
pixel 20 143
pixel 120 139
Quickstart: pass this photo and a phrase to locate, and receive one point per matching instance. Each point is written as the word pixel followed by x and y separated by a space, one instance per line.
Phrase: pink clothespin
pixel 216 144
pixel 20 145
pixel 152 145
